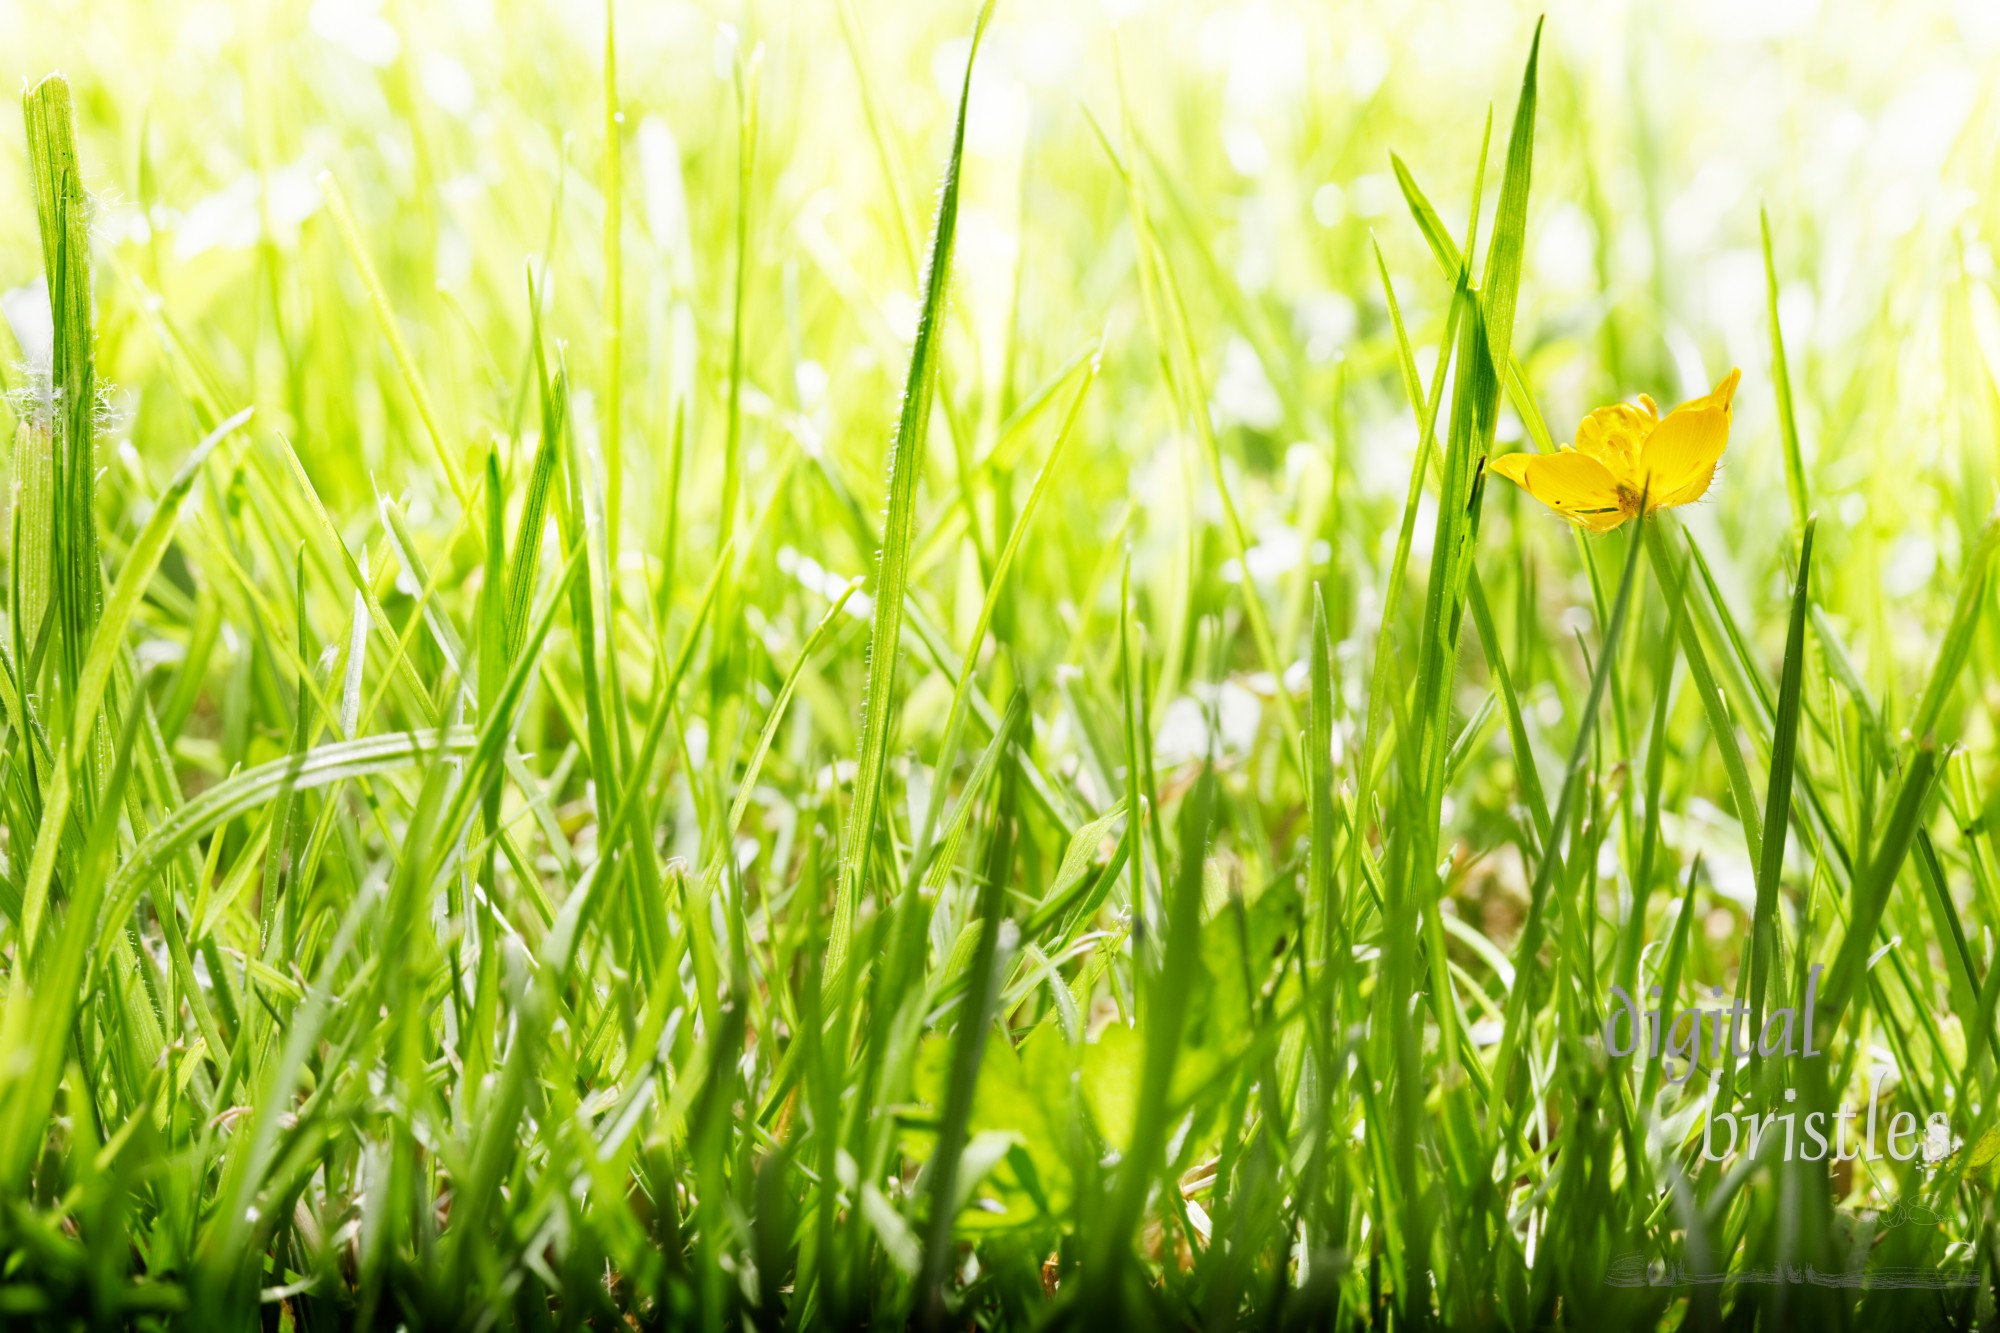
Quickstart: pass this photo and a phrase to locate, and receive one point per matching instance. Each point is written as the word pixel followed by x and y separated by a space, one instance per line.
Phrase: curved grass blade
pixel 256 787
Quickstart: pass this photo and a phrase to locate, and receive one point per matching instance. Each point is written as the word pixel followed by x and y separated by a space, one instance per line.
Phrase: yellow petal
pixel 1514 467
pixel 1613 436
pixel 1724 391
pixel 1678 458
pixel 1576 486
pixel 1688 493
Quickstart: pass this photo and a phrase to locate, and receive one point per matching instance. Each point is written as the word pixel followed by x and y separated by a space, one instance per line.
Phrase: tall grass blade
pixel 892 577
pixel 1781 382
pixel 1778 791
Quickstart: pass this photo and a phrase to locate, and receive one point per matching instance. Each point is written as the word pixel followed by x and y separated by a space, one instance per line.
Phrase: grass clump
pixel 787 773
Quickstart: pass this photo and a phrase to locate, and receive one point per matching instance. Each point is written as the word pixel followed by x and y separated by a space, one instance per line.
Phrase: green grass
pixel 600 727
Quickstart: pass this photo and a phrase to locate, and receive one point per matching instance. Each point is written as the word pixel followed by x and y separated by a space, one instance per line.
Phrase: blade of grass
pixel 1023 523
pixel 1778 798
pixel 1781 383
pixel 906 451
pixel 385 316
pixel 967 1050
pixel 106 643
pixel 1526 951
pixel 613 187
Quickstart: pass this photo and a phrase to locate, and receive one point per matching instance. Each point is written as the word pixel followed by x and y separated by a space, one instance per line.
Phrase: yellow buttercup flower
pixel 1623 452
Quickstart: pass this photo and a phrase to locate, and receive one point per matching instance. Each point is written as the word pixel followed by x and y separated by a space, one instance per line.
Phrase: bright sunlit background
pixel 1866 130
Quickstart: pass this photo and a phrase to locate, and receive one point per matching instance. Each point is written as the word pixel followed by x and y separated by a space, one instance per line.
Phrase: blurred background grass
pixel 1867 131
